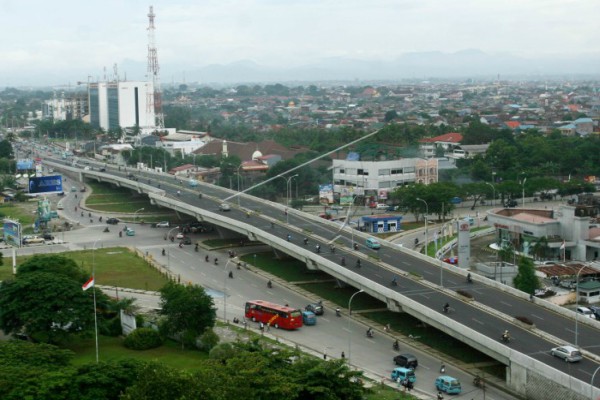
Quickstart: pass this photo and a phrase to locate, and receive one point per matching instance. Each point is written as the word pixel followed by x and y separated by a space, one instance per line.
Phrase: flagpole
pixel 94 288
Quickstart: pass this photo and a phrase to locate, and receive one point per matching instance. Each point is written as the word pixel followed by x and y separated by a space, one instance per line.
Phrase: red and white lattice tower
pixel 154 102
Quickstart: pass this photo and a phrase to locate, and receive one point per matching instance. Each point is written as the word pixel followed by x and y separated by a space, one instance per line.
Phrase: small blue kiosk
pixel 382 223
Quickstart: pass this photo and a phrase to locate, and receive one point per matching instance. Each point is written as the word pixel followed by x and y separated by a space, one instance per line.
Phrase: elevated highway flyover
pixel 424 284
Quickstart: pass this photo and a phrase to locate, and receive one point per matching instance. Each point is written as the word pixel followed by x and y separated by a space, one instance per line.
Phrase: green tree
pixel 53 264
pixel 390 115
pixel 6 150
pixel 48 307
pixel 188 311
pixel 526 280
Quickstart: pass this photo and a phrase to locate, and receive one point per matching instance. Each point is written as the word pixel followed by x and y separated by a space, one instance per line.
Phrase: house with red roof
pixel 448 142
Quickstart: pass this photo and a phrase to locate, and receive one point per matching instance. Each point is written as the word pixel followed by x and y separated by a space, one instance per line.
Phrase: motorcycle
pixel 181 245
pixel 338 313
pixel 230 274
pixel 163 252
pixel 505 338
pixel 332 249
pixel 196 248
pixel 469 280
pixel 478 382
pixel 343 261
pixel 394 282
pixel 305 241
pixel 206 258
pixel 269 285
pixel 106 229
pixel 216 261
pixel 396 346
pixel 289 237
pixel 370 333
pixel 318 248
pixel 355 246
pixel 358 263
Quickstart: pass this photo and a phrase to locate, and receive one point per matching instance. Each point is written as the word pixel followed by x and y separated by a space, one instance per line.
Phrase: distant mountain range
pixel 420 65
pixel 423 65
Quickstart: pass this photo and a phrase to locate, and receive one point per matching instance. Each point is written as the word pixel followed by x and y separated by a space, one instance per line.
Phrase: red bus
pixel 273 314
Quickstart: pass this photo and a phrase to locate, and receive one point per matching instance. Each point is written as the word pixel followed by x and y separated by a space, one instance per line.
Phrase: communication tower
pixel 154 102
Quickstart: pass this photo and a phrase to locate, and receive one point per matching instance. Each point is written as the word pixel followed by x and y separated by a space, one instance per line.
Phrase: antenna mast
pixel 154 99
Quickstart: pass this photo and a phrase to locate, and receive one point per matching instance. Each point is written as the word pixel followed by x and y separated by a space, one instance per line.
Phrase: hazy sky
pixel 47 38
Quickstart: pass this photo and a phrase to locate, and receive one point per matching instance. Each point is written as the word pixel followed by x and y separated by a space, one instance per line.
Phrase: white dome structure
pixel 256 155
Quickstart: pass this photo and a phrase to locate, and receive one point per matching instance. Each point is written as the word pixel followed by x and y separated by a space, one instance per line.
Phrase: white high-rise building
pixel 120 104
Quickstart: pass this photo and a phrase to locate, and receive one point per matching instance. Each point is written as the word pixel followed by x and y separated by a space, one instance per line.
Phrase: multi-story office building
pixel 121 104
pixel 67 107
pixel 377 178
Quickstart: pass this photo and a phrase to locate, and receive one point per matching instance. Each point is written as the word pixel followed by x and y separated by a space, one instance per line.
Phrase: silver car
pixel 567 353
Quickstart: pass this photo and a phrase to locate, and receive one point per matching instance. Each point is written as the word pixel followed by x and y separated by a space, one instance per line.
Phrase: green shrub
pixel 143 339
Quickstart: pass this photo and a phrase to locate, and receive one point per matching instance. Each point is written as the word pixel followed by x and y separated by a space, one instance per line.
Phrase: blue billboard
pixel 45 184
pixel 12 232
pixel 24 164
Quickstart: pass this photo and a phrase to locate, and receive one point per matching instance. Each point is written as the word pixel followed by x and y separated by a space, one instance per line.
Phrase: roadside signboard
pixel 45 184
pixel 24 164
pixel 12 232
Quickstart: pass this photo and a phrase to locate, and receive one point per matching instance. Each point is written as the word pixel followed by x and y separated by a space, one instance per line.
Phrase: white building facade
pixel 378 178
pixel 120 104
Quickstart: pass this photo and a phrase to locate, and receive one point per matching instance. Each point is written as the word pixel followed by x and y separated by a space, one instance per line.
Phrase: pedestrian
pixel 261 326
pixel 343 355
pixel 325 355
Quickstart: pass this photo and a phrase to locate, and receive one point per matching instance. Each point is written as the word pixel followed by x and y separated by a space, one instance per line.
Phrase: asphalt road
pixel 483 322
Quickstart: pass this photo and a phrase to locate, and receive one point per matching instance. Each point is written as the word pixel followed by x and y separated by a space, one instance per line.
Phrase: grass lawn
pixel 116 266
pixel 111 348
pixel 21 211
pixel 106 197
pixel 287 268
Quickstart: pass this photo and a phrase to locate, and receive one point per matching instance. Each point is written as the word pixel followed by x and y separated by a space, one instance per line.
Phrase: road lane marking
pixel 478 321
pixel 537 316
pixel 506 304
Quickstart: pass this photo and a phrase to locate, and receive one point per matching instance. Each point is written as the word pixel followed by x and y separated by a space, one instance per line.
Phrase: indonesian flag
pixel 562 246
pixel 88 284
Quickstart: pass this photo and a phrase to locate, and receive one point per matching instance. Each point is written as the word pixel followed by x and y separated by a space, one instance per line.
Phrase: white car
pixel 162 224
pixel 180 236
pixel 586 312
pixel 224 207
pixel 567 353
pixel 381 206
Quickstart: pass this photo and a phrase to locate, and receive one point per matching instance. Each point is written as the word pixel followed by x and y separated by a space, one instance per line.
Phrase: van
pixel 406 360
pixel 373 243
pixel 448 384
pixel 400 374
pixel 309 318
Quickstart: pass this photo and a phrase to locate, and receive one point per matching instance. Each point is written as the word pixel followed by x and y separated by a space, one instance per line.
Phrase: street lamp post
pixel 577 303
pixel 426 214
pixel 592 383
pixel 287 187
pixel 135 213
pixel 523 186
pixel 349 332
pixel 493 193
pixel 238 179
pixel 94 289
pixel 290 187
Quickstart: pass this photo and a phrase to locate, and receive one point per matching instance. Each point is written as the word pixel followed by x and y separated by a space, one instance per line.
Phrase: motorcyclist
pixel 343 261
pixel 206 258
pixel 469 280
pixel 355 246
pixel 395 282
pixel 332 248
pixel 506 336
pixel 179 193
pixel 338 312
pixel 231 274
pixel 358 263
pixel 196 247
pixel 163 252
pixel 305 241
pixel 446 308
pixel 370 332
pixel 318 248
pixel 180 245
pixel 396 345
pixel 289 237
pixel 269 284
pixel 216 261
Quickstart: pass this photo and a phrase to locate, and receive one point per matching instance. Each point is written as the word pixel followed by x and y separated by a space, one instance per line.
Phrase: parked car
pixel 596 311
pixel 112 221
pixel 448 384
pixel 510 203
pixel 406 360
pixel 586 312
pixel 567 353
pixel 309 318
pixel 315 308
pixel 33 240
pixel 162 224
